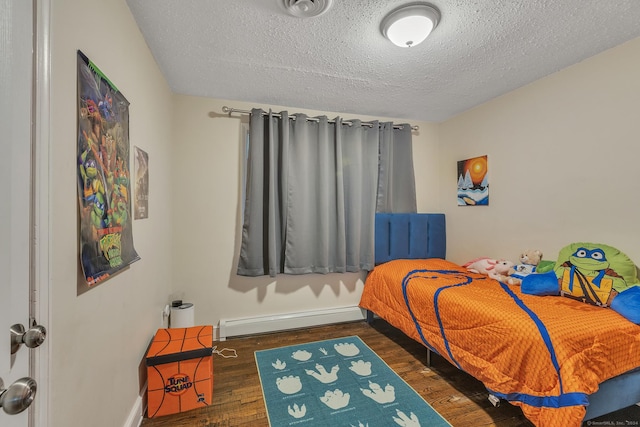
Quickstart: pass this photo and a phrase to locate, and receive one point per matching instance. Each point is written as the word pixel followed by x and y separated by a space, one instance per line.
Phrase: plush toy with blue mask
pixel 592 273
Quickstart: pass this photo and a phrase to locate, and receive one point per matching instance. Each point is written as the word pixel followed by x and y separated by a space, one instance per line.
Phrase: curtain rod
pixel 228 110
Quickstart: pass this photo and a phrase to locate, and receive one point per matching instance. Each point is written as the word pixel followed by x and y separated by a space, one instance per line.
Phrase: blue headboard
pixel 409 235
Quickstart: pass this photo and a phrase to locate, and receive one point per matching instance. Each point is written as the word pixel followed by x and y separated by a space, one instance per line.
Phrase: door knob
pixel 32 337
pixel 18 396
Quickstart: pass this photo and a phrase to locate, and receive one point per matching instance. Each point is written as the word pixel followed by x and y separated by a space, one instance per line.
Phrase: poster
pixel 473 182
pixel 106 238
pixel 141 205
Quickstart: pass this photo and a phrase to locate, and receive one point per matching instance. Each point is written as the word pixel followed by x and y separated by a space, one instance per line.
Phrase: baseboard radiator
pixel 282 322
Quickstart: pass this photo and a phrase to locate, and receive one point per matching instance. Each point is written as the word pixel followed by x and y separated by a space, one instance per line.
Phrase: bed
pixel 560 360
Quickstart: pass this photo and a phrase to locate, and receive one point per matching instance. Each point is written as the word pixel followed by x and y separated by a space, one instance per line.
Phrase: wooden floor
pixel 458 397
pixel 237 398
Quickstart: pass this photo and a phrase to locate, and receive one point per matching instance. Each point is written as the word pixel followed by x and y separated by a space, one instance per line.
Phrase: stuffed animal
pixel 529 261
pixel 498 269
pixel 592 273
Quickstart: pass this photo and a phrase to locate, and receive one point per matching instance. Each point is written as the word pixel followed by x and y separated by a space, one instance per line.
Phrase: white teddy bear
pixel 529 261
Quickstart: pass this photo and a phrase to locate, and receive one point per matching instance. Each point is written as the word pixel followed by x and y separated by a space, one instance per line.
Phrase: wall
pixel 98 339
pixel 207 164
pixel 563 162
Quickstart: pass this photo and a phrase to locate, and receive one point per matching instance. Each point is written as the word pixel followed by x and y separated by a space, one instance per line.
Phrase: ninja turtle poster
pixel 106 238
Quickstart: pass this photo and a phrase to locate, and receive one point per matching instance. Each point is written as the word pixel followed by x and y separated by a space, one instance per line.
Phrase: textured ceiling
pixel 252 50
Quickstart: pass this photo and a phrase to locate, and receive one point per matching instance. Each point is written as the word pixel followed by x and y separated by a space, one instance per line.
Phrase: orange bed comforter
pixel 545 354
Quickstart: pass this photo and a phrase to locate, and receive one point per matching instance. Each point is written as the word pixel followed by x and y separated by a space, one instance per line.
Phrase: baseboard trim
pixel 282 322
pixel 137 412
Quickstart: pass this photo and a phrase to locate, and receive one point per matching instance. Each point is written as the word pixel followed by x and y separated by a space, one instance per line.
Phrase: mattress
pixel 544 354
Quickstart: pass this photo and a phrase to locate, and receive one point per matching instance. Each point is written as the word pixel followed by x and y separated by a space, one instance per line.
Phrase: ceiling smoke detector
pixel 306 8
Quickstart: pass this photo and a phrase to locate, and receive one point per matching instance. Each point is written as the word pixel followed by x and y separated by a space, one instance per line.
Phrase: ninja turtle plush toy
pixel 592 273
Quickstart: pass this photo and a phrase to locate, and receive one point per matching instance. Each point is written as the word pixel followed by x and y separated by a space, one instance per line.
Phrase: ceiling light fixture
pixel 409 25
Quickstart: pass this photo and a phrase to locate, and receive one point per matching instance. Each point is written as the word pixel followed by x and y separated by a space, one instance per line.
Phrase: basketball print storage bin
pixel 179 370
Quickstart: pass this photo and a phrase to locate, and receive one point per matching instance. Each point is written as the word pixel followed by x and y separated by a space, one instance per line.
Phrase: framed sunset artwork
pixel 473 182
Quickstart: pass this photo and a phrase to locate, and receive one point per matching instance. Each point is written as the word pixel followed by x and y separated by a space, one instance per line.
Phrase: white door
pixel 16 213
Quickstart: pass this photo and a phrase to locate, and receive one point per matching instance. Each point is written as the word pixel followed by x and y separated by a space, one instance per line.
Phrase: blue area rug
pixel 338 382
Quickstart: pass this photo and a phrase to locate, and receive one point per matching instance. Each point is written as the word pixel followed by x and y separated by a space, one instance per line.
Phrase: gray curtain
pixel 396 178
pixel 311 194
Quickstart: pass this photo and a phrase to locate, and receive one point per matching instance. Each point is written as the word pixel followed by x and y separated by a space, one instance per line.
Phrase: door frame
pixel 40 358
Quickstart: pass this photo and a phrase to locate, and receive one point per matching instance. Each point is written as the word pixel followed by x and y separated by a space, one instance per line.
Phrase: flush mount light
pixel 410 24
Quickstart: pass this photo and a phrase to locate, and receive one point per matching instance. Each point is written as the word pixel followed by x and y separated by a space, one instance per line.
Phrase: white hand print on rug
pixel 322 375
pixel 301 355
pixel 406 421
pixel 376 393
pixel 335 399
pixel 361 367
pixel 289 385
pixel 297 411
pixel 279 364
pixel 346 349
